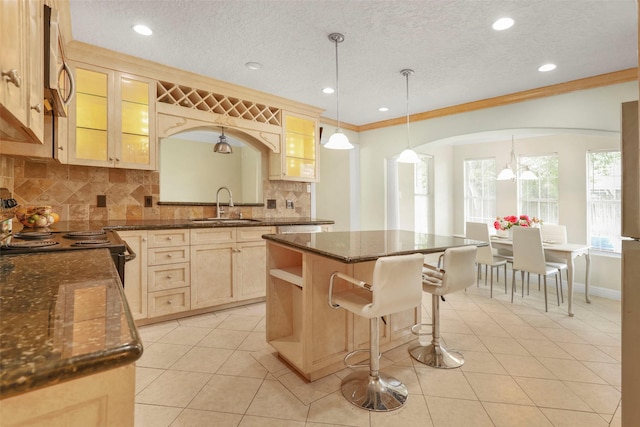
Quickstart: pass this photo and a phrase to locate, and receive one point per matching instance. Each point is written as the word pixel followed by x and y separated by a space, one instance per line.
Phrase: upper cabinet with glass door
pixel 114 118
pixel 298 160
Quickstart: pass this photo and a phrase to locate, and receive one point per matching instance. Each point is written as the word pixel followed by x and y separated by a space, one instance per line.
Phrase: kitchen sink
pixel 224 220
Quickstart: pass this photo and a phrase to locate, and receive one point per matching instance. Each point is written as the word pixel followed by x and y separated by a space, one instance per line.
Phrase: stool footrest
pixel 417 329
pixel 357 365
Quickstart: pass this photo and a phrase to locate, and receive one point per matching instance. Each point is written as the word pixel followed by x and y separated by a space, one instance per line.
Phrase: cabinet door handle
pixel 12 76
pixel 61 148
pixel 37 108
pixel 144 239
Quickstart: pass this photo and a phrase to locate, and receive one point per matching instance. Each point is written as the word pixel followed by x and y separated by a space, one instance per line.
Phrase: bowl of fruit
pixel 36 216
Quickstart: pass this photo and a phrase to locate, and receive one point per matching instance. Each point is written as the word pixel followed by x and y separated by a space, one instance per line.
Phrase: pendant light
pixel 222 146
pixel 338 141
pixel 408 155
pixel 511 167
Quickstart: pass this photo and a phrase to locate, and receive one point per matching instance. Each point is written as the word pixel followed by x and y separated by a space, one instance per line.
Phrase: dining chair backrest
pixel 554 232
pixel 528 254
pixel 396 284
pixel 459 269
pixel 480 231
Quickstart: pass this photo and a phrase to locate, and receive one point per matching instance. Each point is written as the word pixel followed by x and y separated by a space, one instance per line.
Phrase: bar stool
pixel 395 287
pixel 458 273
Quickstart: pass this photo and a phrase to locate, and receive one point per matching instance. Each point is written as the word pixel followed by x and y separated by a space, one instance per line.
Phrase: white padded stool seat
pixel 395 287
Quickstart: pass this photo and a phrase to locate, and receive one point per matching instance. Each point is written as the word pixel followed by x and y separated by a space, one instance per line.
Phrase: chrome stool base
pixel 436 356
pixel 381 393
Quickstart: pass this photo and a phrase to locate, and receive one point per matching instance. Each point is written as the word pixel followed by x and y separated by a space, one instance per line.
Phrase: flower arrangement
pixel 506 222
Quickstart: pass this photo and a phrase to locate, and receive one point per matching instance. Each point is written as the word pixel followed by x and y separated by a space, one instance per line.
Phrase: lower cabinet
pixel 180 270
pixel 102 399
pixel 227 265
pixel 135 273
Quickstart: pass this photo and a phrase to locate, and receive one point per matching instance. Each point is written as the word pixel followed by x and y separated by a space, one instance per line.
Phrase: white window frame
pixel 544 205
pixel 604 214
pixel 482 207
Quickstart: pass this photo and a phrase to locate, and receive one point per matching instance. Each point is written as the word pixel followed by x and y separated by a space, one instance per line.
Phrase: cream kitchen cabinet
pixel 227 265
pixel 168 272
pixel 135 273
pixel 112 119
pixel 21 67
pixel 298 159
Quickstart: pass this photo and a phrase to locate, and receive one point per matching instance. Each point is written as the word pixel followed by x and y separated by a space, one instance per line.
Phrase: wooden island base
pixel 309 335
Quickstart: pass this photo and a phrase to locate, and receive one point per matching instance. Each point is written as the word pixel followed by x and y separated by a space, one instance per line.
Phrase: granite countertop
pixel 360 246
pixel 158 224
pixel 64 315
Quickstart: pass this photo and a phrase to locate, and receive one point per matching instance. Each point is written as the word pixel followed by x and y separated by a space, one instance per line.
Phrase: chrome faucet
pixel 218 212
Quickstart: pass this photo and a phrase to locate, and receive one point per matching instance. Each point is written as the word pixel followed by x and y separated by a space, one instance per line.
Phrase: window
pixel 422 195
pixel 604 188
pixel 539 198
pixel 480 190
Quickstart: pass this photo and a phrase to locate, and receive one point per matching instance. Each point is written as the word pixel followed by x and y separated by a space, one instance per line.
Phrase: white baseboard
pixel 596 291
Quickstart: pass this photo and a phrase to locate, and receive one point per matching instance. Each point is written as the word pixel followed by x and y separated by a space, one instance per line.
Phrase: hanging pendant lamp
pixel 338 141
pixel 222 146
pixel 408 155
pixel 510 168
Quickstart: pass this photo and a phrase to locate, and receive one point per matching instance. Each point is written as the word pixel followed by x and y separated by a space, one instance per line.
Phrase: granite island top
pixel 159 224
pixel 63 315
pixel 360 246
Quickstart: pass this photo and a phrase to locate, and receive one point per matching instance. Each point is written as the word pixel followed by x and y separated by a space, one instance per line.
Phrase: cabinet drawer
pixel 170 276
pixel 205 236
pixel 167 238
pixel 248 234
pixel 171 255
pixel 168 302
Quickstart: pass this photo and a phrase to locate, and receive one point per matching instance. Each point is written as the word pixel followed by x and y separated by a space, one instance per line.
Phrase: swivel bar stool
pixel 395 287
pixel 458 274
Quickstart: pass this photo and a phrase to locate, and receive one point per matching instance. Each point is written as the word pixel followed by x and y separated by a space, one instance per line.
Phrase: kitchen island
pixel 312 337
pixel 67 341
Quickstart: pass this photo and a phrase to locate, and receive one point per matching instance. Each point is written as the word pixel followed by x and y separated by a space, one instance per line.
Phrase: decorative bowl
pixel 35 216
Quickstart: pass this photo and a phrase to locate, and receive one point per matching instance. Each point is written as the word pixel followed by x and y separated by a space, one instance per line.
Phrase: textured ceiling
pixel 456 55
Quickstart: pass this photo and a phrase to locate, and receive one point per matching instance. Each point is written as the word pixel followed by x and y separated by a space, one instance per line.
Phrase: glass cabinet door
pixel 92 115
pixel 300 147
pixel 134 105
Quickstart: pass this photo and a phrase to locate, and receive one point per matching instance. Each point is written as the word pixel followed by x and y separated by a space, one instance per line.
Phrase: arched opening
pixel 191 172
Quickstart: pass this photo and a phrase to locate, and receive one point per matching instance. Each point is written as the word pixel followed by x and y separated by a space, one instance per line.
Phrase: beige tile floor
pixel 524 367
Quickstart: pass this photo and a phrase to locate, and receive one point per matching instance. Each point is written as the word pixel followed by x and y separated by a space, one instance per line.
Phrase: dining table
pixel 567 252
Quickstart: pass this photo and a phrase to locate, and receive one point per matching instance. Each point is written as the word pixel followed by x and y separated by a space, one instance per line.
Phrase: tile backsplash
pixel 72 191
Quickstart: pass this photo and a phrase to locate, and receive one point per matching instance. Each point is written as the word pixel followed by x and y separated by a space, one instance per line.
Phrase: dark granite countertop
pixel 63 315
pixel 359 246
pixel 159 224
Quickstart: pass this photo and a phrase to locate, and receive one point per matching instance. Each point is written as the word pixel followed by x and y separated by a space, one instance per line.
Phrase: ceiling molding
pixel 601 80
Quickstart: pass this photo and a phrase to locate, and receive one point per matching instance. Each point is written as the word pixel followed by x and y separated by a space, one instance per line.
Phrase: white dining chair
pixel 555 234
pixel 528 257
pixel 485 255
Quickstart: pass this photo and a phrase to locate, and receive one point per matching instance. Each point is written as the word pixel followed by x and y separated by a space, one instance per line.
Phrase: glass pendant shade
pixel 506 174
pixel 339 141
pixel 528 175
pixel 408 156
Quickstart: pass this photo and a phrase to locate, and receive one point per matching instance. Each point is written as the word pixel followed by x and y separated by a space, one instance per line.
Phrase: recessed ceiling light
pixel 383 109
pixel 328 90
pixel 142 29
pixel 547 67
pixel 253 65
pixel 502 24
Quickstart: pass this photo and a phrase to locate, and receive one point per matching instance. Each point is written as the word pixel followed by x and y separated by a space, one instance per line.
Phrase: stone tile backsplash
pixel 72 192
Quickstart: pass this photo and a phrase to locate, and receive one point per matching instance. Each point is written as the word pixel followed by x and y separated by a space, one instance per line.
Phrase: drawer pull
pixel 169 238
pixel 169 276
pixel 170 302
pixel 169 255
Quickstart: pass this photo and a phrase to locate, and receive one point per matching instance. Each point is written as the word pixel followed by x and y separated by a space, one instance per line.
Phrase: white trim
pixel 578 288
